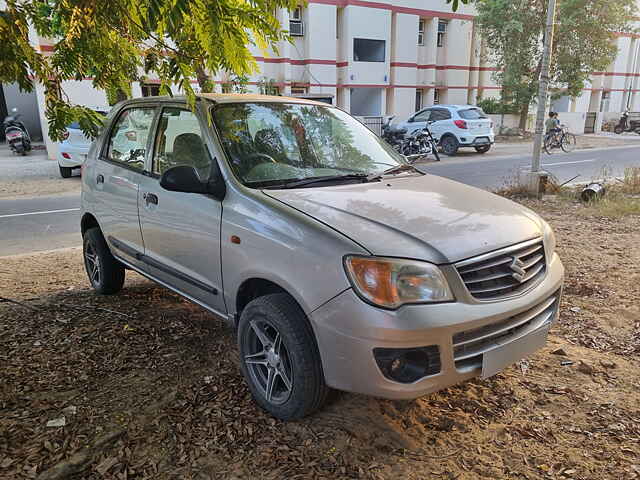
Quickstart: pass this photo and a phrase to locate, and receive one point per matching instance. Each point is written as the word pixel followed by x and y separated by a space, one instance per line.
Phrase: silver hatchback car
pixel 340 264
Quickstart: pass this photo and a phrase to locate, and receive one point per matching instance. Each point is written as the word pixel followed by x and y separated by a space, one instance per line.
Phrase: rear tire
pixel 483 148
pixel 106 274
pixel 449 145
pixel 279 357
pixel 65 172
pixel 548 144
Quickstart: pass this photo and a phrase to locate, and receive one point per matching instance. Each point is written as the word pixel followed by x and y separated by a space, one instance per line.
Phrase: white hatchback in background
pixel 454 127
pixel 72 151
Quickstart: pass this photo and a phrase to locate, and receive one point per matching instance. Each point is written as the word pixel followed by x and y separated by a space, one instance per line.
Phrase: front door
pixel 117 177
pixel 181 231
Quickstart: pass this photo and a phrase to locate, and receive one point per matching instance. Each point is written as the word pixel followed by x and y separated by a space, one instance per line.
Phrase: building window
pixel 418 100
pixel 604 101
pixel 150 89
pixel 296 26
pixel 366 50
pixel 421 24
pixel 442 30
pixel 298 90
pixel 436 97
pixel 227 88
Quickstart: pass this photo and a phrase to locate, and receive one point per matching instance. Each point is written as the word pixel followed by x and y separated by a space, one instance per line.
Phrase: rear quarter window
pixel 471 114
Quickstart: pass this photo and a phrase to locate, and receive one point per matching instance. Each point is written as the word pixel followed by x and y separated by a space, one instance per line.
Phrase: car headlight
pixel 549 240
pixel 391 282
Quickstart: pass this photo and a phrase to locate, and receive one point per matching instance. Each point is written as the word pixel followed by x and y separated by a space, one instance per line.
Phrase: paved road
pixel 496 171
pixel 44 223
pixel 39 223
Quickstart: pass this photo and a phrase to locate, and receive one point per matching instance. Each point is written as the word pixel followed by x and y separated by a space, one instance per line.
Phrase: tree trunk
pixel 524 114
pixel 205 84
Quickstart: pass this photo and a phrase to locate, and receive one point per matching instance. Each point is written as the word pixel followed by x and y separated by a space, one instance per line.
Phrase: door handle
pixel 100 178
pixel 150 198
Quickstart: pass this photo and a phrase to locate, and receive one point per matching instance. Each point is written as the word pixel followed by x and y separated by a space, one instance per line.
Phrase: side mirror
pixel 184 178
pixel 411 119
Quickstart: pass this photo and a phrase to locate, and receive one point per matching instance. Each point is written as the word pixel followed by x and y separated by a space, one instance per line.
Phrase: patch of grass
pixel 630 184
pixel 618 206
pixel 621 198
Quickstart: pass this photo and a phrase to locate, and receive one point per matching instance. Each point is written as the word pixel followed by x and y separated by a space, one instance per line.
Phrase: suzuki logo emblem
pixel 517 266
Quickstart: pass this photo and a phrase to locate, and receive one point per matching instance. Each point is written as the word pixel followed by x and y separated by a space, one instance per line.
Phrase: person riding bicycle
pixel 552 126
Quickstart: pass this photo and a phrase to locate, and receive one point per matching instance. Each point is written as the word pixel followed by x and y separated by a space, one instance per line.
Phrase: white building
pixel 376 58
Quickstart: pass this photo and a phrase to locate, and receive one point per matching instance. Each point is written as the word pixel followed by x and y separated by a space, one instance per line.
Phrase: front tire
pixel 65 172
pixel 449 145
pixel 568 142
pixel 106 274
pixel 618 130
pixel 279 357
pixel 483 148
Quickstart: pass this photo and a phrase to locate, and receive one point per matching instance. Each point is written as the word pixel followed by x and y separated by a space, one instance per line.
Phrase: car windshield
pixel 471 114
pixel 273 144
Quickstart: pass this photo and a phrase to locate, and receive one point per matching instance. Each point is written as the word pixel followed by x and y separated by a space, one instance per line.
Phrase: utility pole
pixel 535 175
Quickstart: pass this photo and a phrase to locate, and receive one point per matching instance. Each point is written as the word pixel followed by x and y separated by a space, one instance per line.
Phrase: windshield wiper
pixel 328 178
pixel 404 167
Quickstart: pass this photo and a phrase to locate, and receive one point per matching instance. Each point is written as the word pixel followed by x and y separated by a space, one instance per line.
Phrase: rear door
pixel 477 122
pixel 181 231
pixel 117 176
pixel 441 122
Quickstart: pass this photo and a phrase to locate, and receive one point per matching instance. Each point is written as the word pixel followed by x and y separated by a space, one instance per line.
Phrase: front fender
pixel 282 245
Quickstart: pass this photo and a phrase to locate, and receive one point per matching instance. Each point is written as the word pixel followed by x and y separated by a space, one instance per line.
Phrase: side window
pixel 440 114
pixel 422 116
pixel 179 141
pixel 128 140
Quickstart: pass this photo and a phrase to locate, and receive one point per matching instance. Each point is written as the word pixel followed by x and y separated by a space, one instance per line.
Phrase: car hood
pixel 422 217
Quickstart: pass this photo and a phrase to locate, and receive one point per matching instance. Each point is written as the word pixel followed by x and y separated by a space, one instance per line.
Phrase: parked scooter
pixel 420 144
pixel 628 125
pixel 392 135
pixel 16 133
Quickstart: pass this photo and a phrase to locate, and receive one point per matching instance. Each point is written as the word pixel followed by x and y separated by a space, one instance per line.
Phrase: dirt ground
pixel 149 386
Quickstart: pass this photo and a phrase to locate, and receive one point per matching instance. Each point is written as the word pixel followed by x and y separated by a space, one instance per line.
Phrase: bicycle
pixel 563 140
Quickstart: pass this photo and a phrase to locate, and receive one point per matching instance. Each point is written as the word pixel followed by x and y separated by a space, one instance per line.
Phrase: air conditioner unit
pixel 296 28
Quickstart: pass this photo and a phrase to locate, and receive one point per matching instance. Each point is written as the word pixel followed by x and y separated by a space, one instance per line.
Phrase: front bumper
pixel 348 329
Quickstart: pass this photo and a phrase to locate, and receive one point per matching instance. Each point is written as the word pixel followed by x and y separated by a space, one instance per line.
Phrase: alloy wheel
pixel 268 361
pixel 92 262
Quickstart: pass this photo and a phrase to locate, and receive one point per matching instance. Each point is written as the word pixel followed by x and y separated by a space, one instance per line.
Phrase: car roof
pixel 457 107
pixel 229 98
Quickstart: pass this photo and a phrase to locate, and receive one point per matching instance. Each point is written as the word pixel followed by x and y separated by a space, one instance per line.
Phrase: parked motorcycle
pixel 16 133
pixel 626 124
pixel 420 144
pixel 392 135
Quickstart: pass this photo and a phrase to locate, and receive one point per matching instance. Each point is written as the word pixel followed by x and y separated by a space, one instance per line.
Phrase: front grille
pixel 469 345
pixel 505 272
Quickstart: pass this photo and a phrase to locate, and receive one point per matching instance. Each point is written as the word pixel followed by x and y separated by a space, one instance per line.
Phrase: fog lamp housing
pixel 407 365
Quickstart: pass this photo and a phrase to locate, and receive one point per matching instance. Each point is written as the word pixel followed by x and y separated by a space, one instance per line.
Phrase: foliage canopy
pixel 584 42
pixel 115 42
